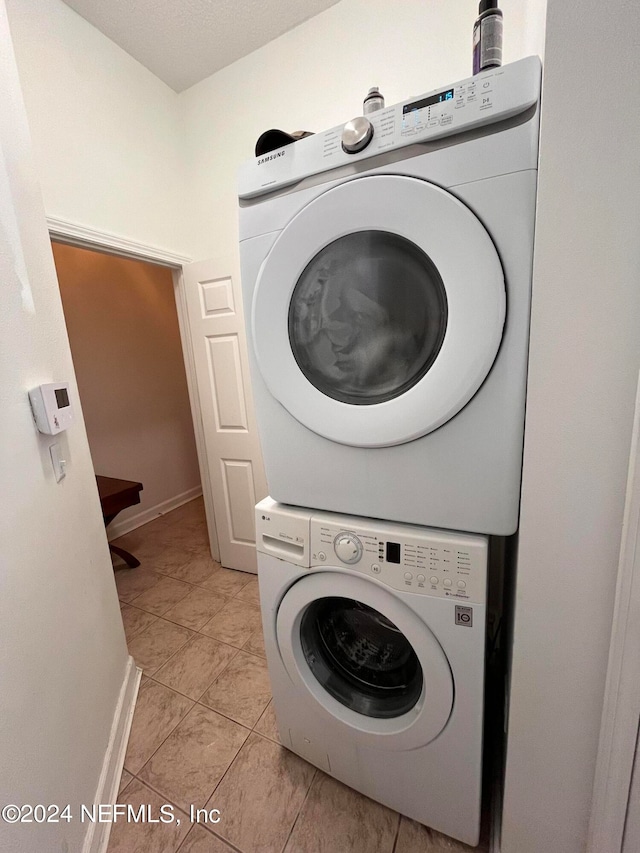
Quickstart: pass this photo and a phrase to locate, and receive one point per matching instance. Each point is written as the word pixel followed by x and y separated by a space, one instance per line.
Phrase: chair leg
pixel 129 559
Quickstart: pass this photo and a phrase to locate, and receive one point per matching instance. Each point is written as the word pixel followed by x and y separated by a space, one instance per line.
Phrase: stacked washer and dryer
pixel 386 269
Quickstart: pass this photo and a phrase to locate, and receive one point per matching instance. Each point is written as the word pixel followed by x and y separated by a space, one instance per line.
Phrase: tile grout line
pixel 302 805
pixel 144 630
pixel 186 627
pixel 150 784
pixel 224 775
pixel 204 826
pixel 175 805
pixel 230 845
pixel 397 835
pixel 193 586
pixel 244 725
pixel 169 659
pixel 173 603
pixel 167 801
pixel 188 640
pixel 193 633
pixel 173 621
pixel 168 735
pixel 208 707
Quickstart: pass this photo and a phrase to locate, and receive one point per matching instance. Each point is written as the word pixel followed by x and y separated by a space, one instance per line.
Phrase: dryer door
pixel 360 655
pixel 379 311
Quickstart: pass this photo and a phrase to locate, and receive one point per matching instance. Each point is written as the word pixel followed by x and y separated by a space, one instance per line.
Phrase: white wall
pixel 584 360
pixel 315 77
pixel 106 135
pixel 62 647
pixel 119 151
pixel 123 329
pixel 533 23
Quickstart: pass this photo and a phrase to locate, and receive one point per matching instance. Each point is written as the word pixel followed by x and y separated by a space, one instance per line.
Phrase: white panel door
pixel 234 459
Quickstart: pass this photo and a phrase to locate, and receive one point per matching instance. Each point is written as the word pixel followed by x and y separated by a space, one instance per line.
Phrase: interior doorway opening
pixel 122 317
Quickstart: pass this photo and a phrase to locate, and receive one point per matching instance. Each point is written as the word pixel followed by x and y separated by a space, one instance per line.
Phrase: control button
pixel 408 576
pixel 322 556
pixel 421 578
pixel 433 580
pixel 447 582
pixel 461 585
pixel 356 135
pixel 375 568
pixel 348 547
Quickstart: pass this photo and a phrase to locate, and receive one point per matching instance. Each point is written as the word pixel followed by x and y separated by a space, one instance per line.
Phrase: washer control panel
pixel 494 95
pixel 405 557
pixel 348 548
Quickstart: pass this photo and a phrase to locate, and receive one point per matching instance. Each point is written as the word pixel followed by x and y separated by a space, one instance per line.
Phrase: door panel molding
pixel 235 470
pixel 229 400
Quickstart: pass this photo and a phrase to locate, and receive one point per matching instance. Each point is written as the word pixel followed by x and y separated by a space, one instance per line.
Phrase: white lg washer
pixel 375 638
pixel 386 280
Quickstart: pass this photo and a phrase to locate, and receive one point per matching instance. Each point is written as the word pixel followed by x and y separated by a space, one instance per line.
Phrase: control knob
pixel 356 135
pixel 348 548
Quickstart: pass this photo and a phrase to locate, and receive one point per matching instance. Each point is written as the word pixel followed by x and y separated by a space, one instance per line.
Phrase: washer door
pixel 379 311
pixel 362 657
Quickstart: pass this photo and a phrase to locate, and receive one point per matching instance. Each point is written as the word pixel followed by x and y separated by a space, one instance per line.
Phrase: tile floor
pixel 204 732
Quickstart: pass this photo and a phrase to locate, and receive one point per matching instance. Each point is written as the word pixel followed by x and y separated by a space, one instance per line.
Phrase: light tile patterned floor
pixel 204 732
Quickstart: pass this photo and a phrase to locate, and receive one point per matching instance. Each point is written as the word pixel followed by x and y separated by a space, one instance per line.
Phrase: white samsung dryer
pixel 375 641
pixel 386 273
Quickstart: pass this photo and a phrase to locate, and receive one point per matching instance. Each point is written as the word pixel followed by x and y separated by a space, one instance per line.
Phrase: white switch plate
pixel 59 464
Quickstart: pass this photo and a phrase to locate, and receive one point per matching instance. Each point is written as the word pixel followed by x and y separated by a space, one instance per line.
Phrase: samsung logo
pixel 273 156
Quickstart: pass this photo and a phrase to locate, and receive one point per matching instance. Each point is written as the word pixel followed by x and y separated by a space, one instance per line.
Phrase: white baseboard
pixel 97 836
pixel 119 528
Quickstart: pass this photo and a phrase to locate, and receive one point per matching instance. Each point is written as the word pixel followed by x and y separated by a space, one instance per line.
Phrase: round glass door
pixel 360 657
pixel 378 311
pixel 367 317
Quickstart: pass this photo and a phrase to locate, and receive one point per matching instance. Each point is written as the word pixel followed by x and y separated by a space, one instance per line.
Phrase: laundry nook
pixel 321 373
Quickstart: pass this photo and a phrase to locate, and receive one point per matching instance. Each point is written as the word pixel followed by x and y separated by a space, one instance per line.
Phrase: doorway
pixel 125 341
pixel 210 319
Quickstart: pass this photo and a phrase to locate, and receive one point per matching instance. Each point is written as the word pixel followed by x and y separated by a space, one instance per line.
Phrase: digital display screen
pixel 427 102
pixel 393 552
pixel 62 398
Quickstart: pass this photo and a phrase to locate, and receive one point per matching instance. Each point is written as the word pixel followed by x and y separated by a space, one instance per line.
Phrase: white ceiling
pixel 184 41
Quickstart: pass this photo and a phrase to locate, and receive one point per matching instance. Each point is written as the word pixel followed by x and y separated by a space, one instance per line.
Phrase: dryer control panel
pixel 494 95
pixel 402 556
